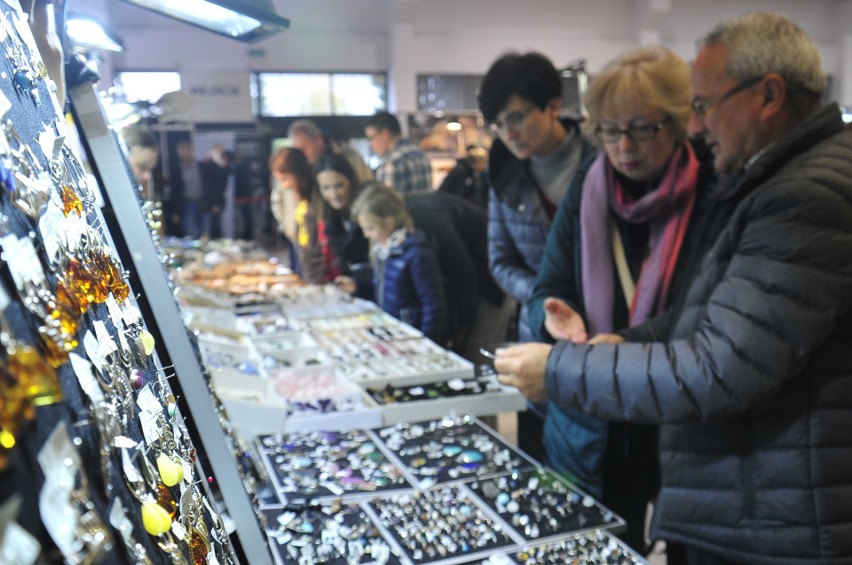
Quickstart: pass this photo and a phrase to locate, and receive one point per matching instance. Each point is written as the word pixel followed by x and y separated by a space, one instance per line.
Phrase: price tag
pixel 86 378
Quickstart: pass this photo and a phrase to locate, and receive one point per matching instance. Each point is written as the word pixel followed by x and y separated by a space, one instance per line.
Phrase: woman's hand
pixel 523 367
pixel 562 322
pixel 346 284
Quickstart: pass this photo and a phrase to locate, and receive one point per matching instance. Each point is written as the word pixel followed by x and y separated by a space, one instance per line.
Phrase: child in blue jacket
pixel 406 275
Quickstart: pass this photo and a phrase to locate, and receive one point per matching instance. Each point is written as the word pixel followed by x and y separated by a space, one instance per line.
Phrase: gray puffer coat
pixel 751 374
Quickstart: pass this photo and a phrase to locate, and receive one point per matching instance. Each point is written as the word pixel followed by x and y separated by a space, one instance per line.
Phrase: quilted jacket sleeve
pixel 505 260
pixel 769 295
pixel 426 276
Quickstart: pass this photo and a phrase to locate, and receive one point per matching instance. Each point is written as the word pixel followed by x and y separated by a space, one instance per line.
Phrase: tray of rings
pixel 450 449
pixel 444 523
pixel 332 534
pixel 595 547
pixel 318 464
pixel 538 504
pixel 377 363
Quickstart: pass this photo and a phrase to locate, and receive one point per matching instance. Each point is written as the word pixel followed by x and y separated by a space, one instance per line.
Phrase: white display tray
pixel 273 344
pixel 350 321
pixel 259 324
pixel 489 403
pixel 213 320
pixel 257 418
pixel 379 373
pixel 312 384
pixel 229 376
pixel 294 359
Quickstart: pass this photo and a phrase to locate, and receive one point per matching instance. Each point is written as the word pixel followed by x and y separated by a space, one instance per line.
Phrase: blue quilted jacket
pixel 517 223
pixel 408 286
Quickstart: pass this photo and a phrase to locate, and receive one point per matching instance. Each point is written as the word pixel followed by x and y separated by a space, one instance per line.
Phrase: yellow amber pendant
pixel 155 518
pixel 37 379
pixel 120 289
pixel 99 290
pixel 166 500
pixel 68 302
pixel 79 282
pixel 54 351
pixel 199 547
pixel 70 201
pixel 148 342
pixel 170 468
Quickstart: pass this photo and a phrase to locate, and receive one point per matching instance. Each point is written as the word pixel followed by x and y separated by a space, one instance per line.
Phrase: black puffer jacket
pixel 753 385
pixel 458 230
pixel 518 222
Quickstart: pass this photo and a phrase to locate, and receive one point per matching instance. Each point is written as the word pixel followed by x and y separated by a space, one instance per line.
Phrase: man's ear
pixel 554 106
pixel 774 91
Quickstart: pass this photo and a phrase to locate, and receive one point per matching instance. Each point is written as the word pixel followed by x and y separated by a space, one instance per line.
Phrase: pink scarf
pixel 667 210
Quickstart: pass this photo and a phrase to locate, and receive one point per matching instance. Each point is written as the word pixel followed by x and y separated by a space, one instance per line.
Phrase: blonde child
pixel 406 275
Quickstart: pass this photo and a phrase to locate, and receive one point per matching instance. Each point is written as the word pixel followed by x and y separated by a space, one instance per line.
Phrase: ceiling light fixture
pixel 87 33
pixel 237 19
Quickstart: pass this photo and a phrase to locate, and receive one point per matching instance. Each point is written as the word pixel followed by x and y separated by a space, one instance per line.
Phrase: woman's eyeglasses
pixel 633 133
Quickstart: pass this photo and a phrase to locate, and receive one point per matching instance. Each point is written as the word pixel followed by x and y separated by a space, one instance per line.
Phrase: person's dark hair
pixel 531 76
pixel 385 120
pixel 136 137
pixel 338 164
pixel 291 160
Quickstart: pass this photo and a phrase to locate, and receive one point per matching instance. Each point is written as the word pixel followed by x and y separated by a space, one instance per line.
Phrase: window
pixel 146 86
pixel 574 84
pixel 439 93
pixel 446 93
pixel 318 94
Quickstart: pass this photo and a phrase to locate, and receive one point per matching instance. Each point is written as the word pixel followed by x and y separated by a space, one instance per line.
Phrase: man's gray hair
pixel 768 42
pixel 305 127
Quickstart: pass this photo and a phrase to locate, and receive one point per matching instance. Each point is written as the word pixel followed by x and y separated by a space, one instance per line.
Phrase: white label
pixel 5 105
pixel 86 378
pixel 60 463
pixel 150 427
pixel 115 313
pixel 4 299
pixel 92 347
pixel 106 345
pixel 46 141
pixel 18 546
pixel 147 401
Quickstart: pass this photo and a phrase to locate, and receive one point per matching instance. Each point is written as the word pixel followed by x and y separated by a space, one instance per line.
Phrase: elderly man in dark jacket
pixel 749 373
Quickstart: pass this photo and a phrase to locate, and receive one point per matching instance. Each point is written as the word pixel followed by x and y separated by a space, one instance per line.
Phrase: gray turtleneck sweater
pixel 554 171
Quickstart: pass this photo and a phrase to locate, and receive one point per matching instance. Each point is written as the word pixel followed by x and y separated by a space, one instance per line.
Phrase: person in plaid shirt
pixel 404 166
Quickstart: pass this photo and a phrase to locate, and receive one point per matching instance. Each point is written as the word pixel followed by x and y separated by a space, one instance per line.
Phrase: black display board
pixel 176 344
pixel 92 447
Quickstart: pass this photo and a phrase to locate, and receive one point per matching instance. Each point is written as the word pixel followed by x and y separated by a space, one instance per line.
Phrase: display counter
pixel 160 416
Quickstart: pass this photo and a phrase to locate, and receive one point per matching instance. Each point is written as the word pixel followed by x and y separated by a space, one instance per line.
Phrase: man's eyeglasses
pixel 514 120
pixel 633 133
pixel 702 105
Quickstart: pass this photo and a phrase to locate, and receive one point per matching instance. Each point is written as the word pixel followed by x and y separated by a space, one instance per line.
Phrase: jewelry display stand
pixel 96 462
pixel 178 350
pixel 115 449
